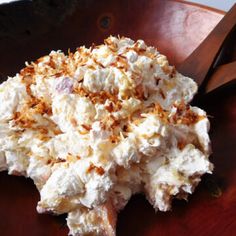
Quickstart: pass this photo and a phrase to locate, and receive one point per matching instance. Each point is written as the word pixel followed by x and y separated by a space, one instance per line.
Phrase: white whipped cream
pixel 97 126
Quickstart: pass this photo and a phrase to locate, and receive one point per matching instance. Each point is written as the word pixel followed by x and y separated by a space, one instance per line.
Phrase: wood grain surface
pixel 222 75
pixel 176 29
pixel 200 64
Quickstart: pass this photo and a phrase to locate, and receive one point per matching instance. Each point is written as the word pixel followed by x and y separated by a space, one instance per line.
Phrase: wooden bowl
pixel 176 29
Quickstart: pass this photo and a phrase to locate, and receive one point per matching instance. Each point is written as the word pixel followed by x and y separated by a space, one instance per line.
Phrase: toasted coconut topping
pixel 99 170
pixel 94 127
pixel 23 120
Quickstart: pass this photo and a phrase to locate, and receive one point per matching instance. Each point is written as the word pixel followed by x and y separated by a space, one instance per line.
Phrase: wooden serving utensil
pixel 200 64
pixel 223 75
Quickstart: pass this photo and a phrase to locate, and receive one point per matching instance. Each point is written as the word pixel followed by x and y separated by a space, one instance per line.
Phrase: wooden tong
pixel 200 65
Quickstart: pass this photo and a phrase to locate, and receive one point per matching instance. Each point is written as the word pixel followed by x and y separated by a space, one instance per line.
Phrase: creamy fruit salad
pixel 94 127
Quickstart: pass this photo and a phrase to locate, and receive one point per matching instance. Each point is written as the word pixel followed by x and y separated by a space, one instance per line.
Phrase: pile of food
pixel 99 125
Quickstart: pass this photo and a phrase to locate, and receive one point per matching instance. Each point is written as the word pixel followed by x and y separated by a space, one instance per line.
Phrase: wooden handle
pixel 200 62
pixel 222 75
